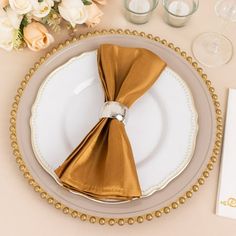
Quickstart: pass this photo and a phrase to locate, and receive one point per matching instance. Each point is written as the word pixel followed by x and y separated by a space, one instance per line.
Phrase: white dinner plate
pixel 162 125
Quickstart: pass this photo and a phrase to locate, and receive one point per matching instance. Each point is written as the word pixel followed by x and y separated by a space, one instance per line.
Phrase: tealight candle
pixel 139 11
pixel 178 12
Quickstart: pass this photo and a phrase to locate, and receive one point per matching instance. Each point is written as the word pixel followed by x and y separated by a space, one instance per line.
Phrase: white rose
pixel 22 6
pixel 9 23
pixel 73 11
pixel 42 9
pixel 14 18
pixel 6 38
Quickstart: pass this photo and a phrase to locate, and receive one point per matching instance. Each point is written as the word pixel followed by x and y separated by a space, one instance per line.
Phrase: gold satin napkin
pixel 102 166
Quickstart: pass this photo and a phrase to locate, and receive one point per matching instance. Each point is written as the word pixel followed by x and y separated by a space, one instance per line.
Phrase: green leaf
pixel 24 23
pixel 86 2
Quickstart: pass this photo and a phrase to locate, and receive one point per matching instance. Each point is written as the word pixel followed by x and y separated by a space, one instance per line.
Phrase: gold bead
pixel 195 65
pixel 130 221
pixel 189 59
pixel 43 195
pixel 36 65
pixel 183 54
pixel 14 105
pixel 13 121
pixel 41 60
pixel 74 214
pixel 206 174
pixel 150 36
pixel 219 135
pixel 149 217
pixel 12 129
pixel 214 97
pixel 211 89
pixel 177 49
pixel 22 167
pixel 111 222
pixel 218 112
pixel 164 42
pixel 104 31
pixel 92 219
pixel 210 166
pixel 199 70
pixel 83 217
pixel 208 83
pixel 201 181
pixel 32 70
pixel 140 219
pixel 217 104
pixel 16 153
pixel 58 205
pixel 14 145
pixel 102 221
pixel 127 31
pixel 36 188
pixel 19 91
pixel 158 214
pixel 181 200
pixel 112 31
pixel 31 182
pixel 174 205
pixel 204 76
pixel 27 77
pixel 218 143
pixel 216 151
pixel 219 119
pixel 121 222
pixel 157 39
pixel 166 210
pixel 26 175
pixel 171 45
pixel 195 188
pixel 50 200
pixel 213 159
pixel 189 194
pixel 23 84
pixel 66 210
pixel 142 34
pixel 119 31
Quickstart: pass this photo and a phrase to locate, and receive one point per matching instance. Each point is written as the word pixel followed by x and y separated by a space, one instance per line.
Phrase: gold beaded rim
pixel 120 221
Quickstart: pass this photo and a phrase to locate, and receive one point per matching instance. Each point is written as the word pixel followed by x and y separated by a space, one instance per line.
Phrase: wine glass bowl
pixel 212 48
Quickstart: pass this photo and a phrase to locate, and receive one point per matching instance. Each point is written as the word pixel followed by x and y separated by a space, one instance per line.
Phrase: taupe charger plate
pixel 162 202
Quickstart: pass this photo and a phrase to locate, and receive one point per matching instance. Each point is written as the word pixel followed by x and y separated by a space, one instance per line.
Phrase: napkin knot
pixel 114 110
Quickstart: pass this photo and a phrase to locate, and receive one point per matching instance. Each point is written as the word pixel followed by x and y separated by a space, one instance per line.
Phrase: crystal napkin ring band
pixel 114 110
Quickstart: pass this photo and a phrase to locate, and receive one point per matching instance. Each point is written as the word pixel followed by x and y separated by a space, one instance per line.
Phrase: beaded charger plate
pixel 208 141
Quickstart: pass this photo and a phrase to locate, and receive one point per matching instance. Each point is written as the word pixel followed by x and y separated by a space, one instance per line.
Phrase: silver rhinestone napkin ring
pixel 114 110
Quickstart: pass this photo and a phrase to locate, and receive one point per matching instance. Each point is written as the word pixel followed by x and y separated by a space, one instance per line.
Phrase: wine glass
pixel 212 48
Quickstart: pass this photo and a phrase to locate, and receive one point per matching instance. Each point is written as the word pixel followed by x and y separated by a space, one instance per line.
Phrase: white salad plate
pixel 162 125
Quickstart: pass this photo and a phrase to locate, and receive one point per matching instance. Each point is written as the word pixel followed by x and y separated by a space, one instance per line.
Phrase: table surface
pixel 24 213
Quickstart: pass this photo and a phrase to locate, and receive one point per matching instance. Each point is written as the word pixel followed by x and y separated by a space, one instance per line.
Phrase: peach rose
pixel 4 3
pixel 37 37
pixel 101 2
pixel 94 15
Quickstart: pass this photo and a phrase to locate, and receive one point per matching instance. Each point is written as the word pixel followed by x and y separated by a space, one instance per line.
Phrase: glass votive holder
pixel 139 11
pixel 178 12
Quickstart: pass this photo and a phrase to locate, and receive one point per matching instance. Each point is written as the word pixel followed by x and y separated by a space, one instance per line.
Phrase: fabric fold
pixel 102 165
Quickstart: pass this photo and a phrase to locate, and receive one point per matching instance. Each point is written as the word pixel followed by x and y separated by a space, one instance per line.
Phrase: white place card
pixel 226 200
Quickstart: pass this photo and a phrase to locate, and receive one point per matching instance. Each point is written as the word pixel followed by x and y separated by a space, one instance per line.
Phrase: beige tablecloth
pixel 22 212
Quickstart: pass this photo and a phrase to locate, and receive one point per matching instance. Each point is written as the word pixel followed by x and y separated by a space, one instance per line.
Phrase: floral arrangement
pixel 26 22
